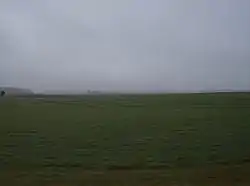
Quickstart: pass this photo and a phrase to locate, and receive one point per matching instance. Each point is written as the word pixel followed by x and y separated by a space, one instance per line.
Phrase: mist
pixel 125 45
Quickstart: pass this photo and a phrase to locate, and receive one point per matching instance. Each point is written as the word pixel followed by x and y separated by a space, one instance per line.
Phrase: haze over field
pixel 125 45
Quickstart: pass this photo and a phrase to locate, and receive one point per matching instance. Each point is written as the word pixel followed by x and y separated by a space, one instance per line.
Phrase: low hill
pixel 16 91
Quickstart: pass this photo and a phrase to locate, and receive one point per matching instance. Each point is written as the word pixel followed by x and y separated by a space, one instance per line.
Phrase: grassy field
pixel 174 139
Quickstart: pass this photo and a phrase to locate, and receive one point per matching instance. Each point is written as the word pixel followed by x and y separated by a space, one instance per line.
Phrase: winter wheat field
pixel 171 139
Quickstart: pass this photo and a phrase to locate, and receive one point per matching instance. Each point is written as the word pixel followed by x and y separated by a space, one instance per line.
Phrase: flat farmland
pixel 171 139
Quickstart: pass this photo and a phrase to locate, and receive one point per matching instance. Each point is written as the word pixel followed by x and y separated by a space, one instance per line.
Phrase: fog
pixel 125 45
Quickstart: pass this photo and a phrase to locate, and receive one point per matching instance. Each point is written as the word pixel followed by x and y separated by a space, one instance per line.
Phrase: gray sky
pixel 125 45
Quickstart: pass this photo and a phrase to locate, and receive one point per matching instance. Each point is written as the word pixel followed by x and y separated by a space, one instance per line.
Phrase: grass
pixel 129 136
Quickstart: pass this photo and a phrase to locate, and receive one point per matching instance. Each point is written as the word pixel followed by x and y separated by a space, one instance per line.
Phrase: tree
pixel 2 93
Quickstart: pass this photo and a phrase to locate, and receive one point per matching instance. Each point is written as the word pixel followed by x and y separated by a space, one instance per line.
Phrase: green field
pixel 125 139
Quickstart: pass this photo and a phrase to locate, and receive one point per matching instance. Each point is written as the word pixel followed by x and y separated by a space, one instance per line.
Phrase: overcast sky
pixel 125 45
